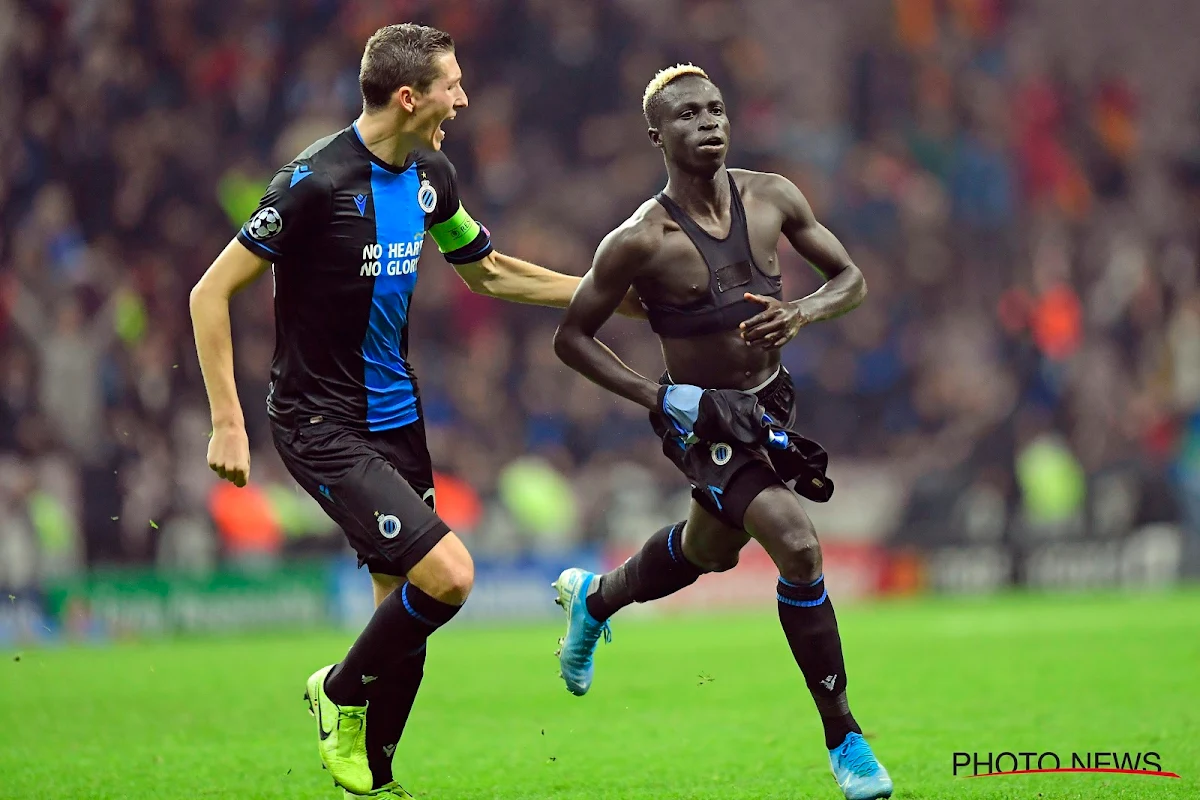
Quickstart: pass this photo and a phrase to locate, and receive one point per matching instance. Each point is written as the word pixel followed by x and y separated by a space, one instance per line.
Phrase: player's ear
pixel 404 96
pixel 655 137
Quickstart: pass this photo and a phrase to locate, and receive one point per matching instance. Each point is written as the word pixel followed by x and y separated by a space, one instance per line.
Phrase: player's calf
pixel 659 569
pixel 390 700
pixel 810 625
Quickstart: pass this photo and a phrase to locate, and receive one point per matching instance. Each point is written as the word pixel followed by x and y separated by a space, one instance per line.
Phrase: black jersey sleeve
pixel 461 239
pixel 297 203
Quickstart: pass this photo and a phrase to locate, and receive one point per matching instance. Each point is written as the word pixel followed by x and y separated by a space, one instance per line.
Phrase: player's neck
pixel 382 135
pixel 701 196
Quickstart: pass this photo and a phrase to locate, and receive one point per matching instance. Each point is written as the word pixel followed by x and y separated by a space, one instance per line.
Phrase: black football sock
pixel 655 571
pixel 806 613
pixel 389 702
pixel 398 628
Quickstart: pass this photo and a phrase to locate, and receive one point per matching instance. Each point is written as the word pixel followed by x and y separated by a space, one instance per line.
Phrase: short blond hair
pixel 663 78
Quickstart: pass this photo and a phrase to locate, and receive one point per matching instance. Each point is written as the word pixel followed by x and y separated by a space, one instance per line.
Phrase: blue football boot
pixel 579 645
pixel 858 773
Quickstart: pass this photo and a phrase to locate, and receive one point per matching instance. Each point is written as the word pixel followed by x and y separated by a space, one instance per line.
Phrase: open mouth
pixel 712 143
pixel 441 133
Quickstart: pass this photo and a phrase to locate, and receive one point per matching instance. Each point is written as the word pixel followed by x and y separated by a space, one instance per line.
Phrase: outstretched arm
pixel 602 290
pixel 508 278
pixel 844 289
pixel 467 245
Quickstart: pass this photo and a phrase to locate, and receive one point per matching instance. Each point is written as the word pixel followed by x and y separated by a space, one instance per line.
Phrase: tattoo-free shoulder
pixel 641 234
pixel 774 189
pixel 750 180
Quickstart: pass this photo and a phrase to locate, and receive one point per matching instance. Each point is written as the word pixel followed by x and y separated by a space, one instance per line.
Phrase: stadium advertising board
pixel 144 603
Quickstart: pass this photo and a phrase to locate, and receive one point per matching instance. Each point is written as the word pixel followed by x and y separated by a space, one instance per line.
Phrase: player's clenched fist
pixel 229 453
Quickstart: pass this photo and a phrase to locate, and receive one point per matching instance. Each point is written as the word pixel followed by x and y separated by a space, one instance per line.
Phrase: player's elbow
pixel 198 297
pixel 566 339
pixel 207 298
pixel 858 288
pixel 561 345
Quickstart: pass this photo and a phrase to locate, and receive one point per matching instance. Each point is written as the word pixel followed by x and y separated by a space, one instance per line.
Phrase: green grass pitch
pixel 686 707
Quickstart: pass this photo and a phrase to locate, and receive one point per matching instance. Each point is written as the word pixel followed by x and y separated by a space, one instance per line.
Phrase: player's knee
pixel 457 584
pixel 788 534
pixel 453 580
pixel 801 560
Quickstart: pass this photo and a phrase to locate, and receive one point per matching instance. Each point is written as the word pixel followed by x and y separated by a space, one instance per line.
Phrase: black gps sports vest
pixel 731 273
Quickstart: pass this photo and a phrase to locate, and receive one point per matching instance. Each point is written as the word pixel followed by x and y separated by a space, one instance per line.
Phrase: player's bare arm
pixel 234 269
pixel 604 288
pixel 467 247
pixel 844 289
pixel 508 278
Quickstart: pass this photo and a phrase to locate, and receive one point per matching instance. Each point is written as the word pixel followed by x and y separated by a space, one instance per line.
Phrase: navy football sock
pixel 655 571
pixel 397 629
pixel 806 613
pixel 389 702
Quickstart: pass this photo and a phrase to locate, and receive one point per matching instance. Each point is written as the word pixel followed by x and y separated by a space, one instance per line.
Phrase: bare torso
pixel 676 275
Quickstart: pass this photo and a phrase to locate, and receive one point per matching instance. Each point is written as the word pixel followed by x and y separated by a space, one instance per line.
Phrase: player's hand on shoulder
pixel 229 453
pixel 774 326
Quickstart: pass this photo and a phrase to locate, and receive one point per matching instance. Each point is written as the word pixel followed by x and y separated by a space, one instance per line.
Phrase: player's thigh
pixel 709 543
pixel 778 521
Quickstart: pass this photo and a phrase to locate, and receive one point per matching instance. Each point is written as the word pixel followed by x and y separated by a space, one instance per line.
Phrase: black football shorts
pixel 378 486
pixel 728 479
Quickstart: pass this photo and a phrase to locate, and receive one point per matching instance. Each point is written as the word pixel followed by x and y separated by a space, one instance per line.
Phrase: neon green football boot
pixel 342 732
pixel 393 791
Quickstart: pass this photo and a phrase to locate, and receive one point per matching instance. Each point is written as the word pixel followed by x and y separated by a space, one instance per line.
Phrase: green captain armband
pixel 456 232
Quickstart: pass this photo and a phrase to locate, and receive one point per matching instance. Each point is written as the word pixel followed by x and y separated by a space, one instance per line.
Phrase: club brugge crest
pixel 721 453
pixel 427 197
pixel 389 526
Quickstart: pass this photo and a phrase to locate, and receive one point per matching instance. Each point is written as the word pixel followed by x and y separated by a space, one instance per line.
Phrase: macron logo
pixel 368 678
pixel 301 172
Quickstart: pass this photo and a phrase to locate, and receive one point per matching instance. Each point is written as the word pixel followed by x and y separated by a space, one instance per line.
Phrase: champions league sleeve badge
pixel 265 224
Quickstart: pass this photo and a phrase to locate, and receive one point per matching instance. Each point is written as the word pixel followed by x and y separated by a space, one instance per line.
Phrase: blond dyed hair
pixel 665 77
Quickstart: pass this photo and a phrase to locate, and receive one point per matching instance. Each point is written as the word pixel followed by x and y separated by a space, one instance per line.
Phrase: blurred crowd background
pixel 1019 180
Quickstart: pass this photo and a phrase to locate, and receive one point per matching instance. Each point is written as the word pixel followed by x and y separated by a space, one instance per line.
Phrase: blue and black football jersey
pixel 344 231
